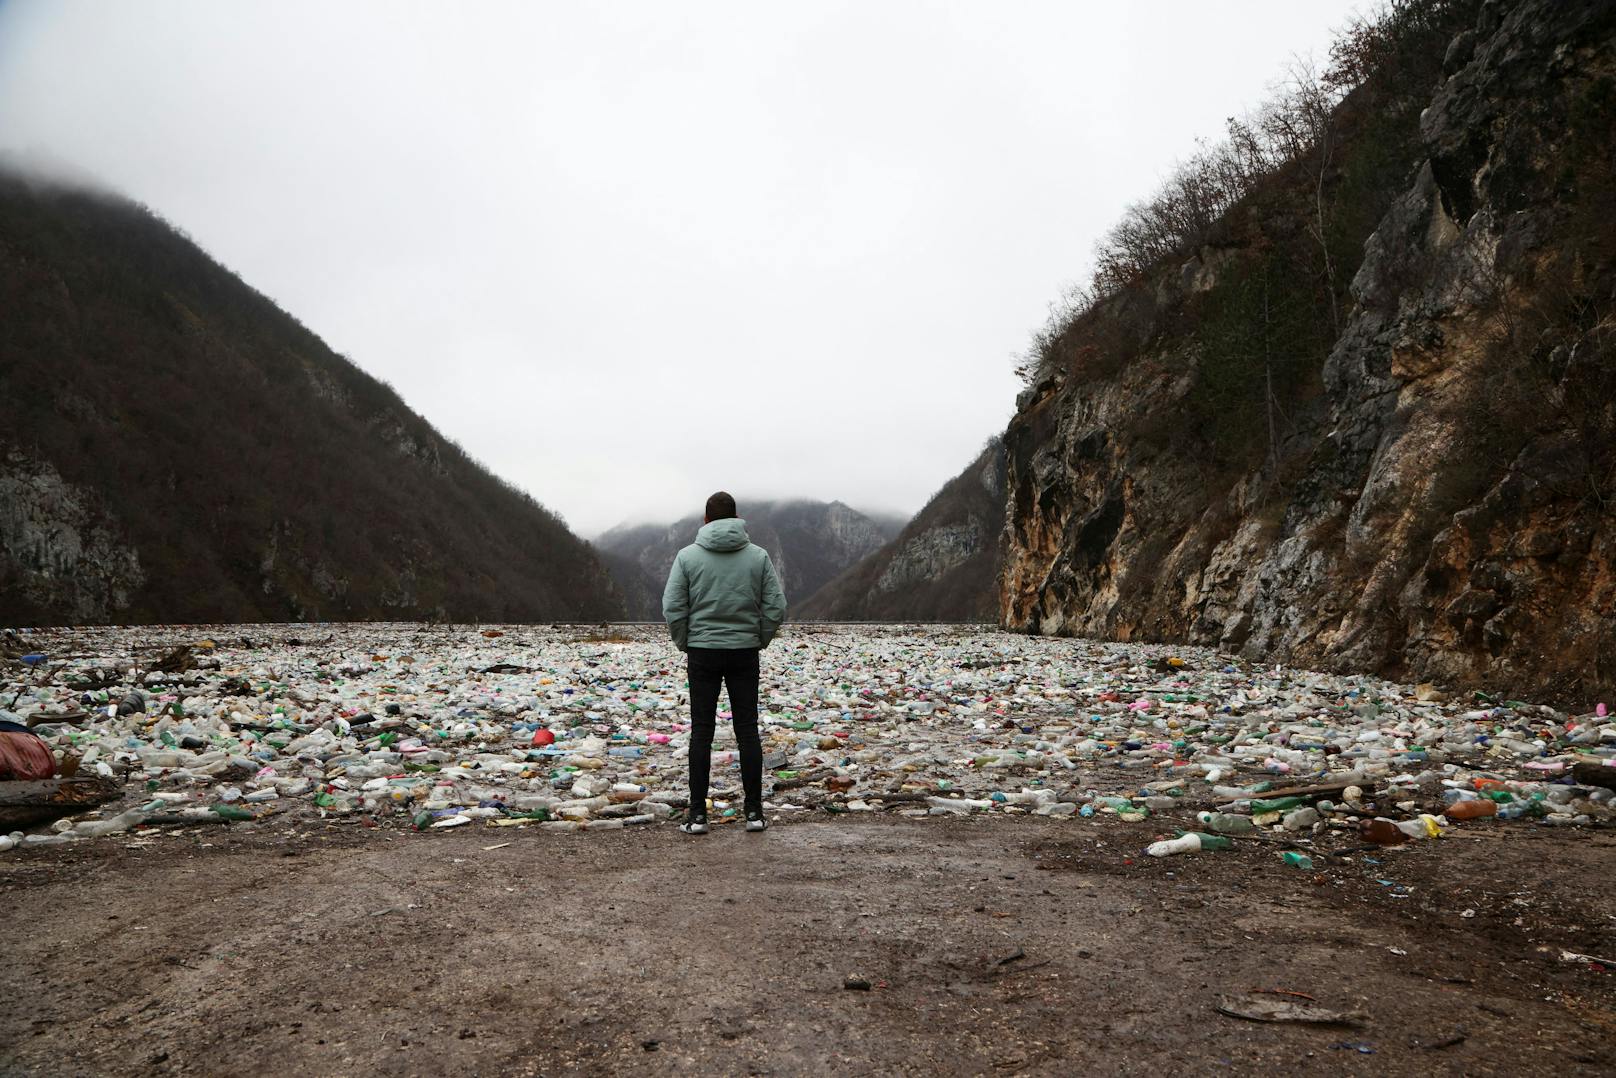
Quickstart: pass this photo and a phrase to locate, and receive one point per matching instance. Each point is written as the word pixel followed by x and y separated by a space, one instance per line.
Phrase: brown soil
pixel 997 946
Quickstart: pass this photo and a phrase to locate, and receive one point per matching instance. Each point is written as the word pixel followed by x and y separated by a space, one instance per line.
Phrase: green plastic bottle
pixel 1278 804
pixel 1211 842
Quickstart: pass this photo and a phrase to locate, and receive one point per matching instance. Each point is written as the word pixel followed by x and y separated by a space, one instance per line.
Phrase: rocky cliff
pixel 1416 477
pixel 943 565
pixel 810 543
pixel 63 550
pixel 174 447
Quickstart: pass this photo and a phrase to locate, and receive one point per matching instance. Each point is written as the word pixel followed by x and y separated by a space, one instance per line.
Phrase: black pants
pixel 737 670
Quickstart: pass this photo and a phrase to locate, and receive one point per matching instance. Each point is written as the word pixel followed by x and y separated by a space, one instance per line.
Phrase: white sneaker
pixel 696 825
pixel 756 823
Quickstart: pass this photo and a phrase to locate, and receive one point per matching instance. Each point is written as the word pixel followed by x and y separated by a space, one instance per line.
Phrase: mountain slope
pixel 810 543
pixel 943 565
pixel 177 448
pixel 1390 450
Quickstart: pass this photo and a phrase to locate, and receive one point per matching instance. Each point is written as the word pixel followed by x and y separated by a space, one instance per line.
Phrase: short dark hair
pixel 721 506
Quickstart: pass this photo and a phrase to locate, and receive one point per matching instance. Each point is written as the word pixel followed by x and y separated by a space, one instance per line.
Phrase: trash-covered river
pixel 568 728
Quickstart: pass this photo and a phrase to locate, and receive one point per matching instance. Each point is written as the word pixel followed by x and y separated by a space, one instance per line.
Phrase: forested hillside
pixel 178 448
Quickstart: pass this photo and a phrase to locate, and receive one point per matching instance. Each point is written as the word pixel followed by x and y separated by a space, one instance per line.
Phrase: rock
pixel 65 551
pixel 1394 536
pixel 930 554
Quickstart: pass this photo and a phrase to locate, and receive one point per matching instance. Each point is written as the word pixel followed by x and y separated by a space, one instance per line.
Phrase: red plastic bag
pixel 24 755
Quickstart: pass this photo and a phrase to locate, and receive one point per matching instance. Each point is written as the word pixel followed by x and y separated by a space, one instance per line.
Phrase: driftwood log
pixel 48 718
pixel 29 804
pixel 1589 774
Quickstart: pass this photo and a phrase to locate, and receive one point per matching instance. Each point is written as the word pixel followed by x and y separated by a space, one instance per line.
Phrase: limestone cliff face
pixel 1440 504
pixel 931 554
pixel 62 550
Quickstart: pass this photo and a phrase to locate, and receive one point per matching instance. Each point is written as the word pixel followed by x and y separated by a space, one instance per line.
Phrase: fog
pixel 627 254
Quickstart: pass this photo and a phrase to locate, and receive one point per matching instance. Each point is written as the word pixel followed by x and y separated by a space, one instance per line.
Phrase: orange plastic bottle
pixel 1470 810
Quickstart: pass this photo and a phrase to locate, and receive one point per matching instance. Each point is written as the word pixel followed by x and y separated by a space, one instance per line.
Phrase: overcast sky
pixel 629 253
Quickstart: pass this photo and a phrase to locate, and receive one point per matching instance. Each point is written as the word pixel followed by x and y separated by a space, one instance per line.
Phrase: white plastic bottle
pixel 1182 844
pixel 121 822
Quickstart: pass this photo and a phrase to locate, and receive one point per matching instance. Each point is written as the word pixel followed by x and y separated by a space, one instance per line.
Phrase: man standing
pixel 723 604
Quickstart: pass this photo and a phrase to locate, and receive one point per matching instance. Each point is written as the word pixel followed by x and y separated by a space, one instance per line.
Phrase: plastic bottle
pixel 1471 809
pixel 1226 823
pixel 1301 819
pixel 1279 804
pixel 1188 842
pixel 121 822
pixel 1297 860
pixel 1381 831
pixel 587 787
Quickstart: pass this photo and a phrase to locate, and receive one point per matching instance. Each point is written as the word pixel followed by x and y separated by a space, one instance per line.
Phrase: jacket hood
pixel 723 535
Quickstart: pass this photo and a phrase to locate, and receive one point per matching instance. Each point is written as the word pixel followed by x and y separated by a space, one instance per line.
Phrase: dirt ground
pixel 992 946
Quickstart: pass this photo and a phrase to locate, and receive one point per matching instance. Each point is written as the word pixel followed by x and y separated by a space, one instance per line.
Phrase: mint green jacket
pixel 722 591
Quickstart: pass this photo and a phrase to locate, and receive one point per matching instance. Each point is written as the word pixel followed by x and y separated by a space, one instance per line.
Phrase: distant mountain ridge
pixel 175 447
pixel 943 565
pixel 810 542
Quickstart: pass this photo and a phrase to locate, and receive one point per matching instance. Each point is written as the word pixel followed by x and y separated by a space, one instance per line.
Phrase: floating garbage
pixel 568 729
